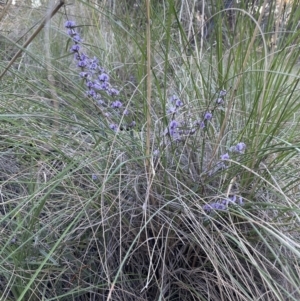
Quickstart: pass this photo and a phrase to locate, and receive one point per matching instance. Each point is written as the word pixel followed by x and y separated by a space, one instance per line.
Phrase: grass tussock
pixel 152 164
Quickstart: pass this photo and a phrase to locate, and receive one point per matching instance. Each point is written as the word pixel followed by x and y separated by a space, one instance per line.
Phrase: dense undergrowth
pixel 199 202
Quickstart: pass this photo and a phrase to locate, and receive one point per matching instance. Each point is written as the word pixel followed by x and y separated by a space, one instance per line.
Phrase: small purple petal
pixel 113 92
pixel 75 48
pixel 172 110
pixel 220 101
pixel 214 206
pixel 91 93
pixel 90 84
pixel 98 86
pixel 105 86
pixel 76 38
pixel 93 66
pixel 114 127
pixel 225 156
pixel 240 147
pixel 126 112
pixel 82 64
pixel 100 102
pixel 103 77
pixel 70 24
pixel 84 74
pixel 222 93
pixel 173 124
pixel 71 32
pixel 116 104
pixel 207 116
pixel 178 103
pixel 132 124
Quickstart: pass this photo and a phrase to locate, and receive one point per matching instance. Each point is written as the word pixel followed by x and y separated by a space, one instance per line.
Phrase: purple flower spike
pixel 70 24
pixel 225 156
pixel 207 116
pixel 116 104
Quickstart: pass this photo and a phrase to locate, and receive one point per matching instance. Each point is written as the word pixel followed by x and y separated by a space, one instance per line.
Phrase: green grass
pixel 139 230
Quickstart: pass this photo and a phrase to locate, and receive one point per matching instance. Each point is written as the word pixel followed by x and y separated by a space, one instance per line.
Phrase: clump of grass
pixel 202 206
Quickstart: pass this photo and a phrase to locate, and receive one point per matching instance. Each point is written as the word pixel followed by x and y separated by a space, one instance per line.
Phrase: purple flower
pixel 104 86
pixel 220 101
pixel 70 24
pixel 76 38
pixel 94 177
pixel 114 127
pixel 93 66
pixel 222 93
pixel 97 86
pixel 71 32
pixel 113 92
pixel 91 93
pixel 116 104
pixel 75 48
pixel 174 100
pixel 172 110
pixel 207 116
pixel 173 124
pixel 126 112
pixel 172 127
pixel 103 77
pixel 214 206
pixel 132 124
pixel 80 57
pixel 178 103
pixel 200 124
pixel 84 74
pixel 100 102
pixel 82 64
pixel 90 84
pixel 156 153
pixel 240 201
pixel 225 156
pixel 240 147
